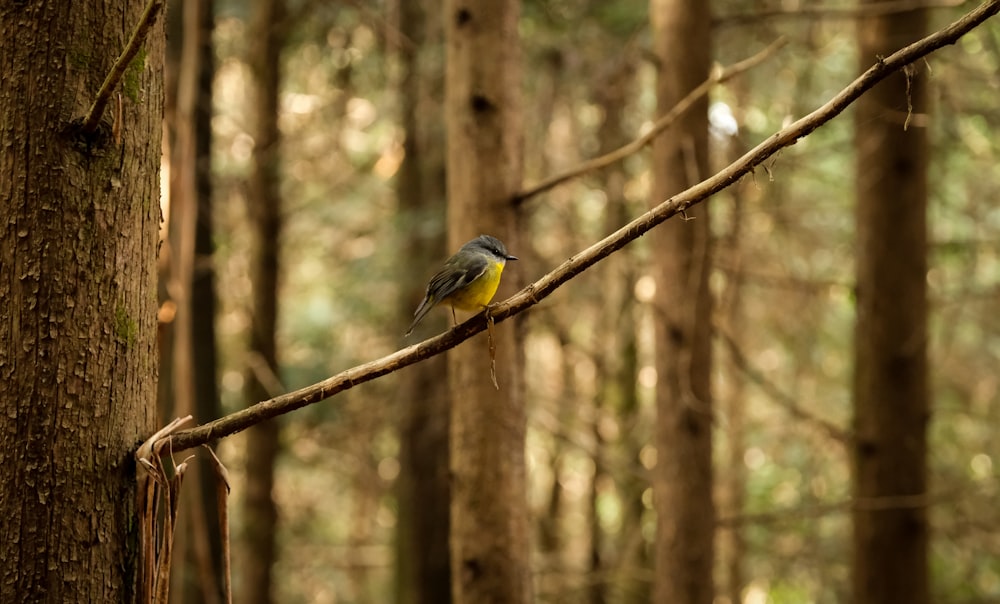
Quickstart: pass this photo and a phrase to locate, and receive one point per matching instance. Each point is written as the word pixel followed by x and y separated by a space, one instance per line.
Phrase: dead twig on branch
pixel 659 125
pixel 114 77
pixel 531 295
pixel 158 490
pixel 158 503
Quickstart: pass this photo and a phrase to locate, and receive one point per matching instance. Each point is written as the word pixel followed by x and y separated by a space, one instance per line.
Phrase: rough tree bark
pixel 489 519
pixel 264 203
pixel 423 488
pixel 891 401
pixel 682 478
pixel 79 227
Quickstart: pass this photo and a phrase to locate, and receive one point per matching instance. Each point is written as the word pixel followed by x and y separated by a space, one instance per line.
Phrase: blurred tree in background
pixel 268 27
pixel 682 477
pixel 489 532
pixel 489 516
pixel 360 120
pixel 187 338
pixel 188 378
pixel 423 488
pixel 891 402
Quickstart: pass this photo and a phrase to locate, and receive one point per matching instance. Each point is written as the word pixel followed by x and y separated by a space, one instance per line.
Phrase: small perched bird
pixel 468 280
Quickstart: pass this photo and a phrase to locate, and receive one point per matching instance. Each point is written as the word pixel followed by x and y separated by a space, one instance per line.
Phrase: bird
pixel 468 280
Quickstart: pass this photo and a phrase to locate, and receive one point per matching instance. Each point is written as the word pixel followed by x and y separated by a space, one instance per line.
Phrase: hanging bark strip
pixel 222 494
pixel 158 504
pixel 157 490
pixel 493 349
pixel 542 288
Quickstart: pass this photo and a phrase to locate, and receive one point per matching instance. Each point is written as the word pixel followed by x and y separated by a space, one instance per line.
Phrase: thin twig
pixel 121 65
pixel 875 503
pixel 532 294
pixel 265 374
pixel 659 125
pixel 861 11
pixel 786 401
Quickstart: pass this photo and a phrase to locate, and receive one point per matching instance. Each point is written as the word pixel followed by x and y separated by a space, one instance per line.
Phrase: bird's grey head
pixel 491 245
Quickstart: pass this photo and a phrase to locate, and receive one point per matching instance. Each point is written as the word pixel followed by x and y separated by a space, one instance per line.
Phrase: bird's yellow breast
pixel 477 295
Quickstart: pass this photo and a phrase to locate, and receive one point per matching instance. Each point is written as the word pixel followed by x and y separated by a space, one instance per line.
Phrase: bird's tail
pixel 422 310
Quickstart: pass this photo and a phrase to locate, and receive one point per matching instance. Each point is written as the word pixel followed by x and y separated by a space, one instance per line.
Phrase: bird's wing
pixel 449 280
pixel 452 278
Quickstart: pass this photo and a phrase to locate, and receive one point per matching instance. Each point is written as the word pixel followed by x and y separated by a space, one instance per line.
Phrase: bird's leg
pixel 454 321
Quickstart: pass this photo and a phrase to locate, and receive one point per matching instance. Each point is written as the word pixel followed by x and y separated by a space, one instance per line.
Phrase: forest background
pixel 783 278
pixel 725 361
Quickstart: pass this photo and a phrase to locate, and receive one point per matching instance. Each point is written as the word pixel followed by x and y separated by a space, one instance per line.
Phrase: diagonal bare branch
pixel 540 289
pixel 659 125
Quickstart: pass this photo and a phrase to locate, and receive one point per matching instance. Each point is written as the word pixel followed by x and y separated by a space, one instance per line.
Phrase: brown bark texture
pixel 682 478
pixel 264 203
pixel 891 401
pixel 79 220
pixel 489 518
pixel 423 486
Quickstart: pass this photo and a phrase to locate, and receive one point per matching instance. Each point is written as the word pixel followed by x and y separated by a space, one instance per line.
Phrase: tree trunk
pixel 261 383
pixel 190 354
pixel 731 544
pixel 207 400
pixel 682 479
pixel 77 285
pixel 424 570
pixel 489 518
pixel 618 557
pixel 731 311
pixel 891 405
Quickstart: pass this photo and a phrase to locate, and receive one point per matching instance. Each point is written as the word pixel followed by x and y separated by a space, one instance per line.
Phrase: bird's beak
pixel 511 257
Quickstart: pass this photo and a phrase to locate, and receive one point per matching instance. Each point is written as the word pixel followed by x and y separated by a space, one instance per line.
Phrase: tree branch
pixel 121 65
pixel 783 400
pixel 531 295
pixel 834 12
pixel 658 126
pixel 868 504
